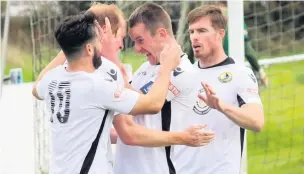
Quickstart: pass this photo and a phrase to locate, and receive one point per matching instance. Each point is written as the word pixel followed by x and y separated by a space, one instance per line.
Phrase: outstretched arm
pixel 250 113
pixel 132 134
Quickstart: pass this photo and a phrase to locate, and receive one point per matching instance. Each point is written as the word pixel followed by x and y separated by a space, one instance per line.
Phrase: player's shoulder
pixel 238 71
pixel 108 68
pixel 240 68
pixel 107 65
pixel 103 81
pixel 143 68
pixel 55 72
pixel 185 68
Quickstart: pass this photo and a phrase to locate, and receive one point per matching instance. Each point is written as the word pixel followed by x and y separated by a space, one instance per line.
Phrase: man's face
pixel 204 38
pixel 145 43
pixel 119 37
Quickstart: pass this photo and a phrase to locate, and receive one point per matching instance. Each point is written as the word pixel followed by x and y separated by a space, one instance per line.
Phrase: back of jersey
pixel 79 124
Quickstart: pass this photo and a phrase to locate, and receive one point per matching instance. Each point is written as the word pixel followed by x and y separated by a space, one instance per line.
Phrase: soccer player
pixel 229 102
pixel 150 28
pixel 82 100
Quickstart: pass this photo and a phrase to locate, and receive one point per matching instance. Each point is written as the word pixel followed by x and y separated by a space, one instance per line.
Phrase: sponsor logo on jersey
pixel 200 106
pixel 177 71
pixel 225 77
pixel 113 74
pixel 146 87
pixel 253 90
pixel 173 89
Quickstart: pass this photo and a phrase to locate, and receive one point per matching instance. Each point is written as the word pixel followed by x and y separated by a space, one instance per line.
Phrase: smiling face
pixel 150 28
pixel 146 43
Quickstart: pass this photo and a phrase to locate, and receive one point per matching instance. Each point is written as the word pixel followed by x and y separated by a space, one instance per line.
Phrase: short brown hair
pixel 153 16
pixel 217 18
pixel 111 11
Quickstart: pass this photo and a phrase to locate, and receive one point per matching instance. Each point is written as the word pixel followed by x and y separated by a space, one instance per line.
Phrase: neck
pixel 171 41
pixel 80 65
pixel 213 59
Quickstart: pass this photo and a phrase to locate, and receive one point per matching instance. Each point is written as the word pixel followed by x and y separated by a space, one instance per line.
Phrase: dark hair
pixel 73 32
pixel 217 18
pixel 153 16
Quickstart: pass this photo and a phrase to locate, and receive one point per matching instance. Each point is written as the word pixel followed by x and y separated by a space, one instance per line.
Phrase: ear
pixel 162 32
pixel 89 50
pixel 222 33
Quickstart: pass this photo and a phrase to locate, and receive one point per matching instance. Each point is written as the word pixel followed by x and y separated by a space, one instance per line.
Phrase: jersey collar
pixel 227 61
pixel 184 54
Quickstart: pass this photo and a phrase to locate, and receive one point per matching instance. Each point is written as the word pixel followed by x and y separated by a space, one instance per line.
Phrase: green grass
pixel 18 58
pixel 279 148
pixel 136 60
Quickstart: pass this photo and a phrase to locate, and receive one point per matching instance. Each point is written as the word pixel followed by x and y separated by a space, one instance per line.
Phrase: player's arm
pixel 127 101
pixel 58 60
pixel 35 92
pixel 130 102
pixel 250 114
pixel 154 100
pixel 136 135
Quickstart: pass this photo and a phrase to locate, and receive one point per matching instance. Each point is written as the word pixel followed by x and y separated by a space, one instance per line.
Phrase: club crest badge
pixel 225 77
pixel 200 107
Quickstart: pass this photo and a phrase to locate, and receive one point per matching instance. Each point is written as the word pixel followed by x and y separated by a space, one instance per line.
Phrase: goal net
pixel 276 34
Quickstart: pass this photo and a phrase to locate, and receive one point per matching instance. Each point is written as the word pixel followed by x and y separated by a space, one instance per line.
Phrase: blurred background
pixel 276 35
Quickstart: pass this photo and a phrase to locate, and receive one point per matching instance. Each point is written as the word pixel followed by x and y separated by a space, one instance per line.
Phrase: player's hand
pixel 211 99
pixel 170 56
pixel 198 137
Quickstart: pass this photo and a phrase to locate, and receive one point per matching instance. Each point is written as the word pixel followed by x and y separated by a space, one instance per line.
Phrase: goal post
pixel 237 51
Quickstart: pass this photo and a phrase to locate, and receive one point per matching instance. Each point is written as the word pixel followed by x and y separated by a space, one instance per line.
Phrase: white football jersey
pixel 234 84
pixel 81 107
pixel 156 160
pixel 111 69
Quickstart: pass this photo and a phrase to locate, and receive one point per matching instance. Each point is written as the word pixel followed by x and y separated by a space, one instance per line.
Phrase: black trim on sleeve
pixel 240 100
pixel 87 163
pixel 166 121
pixel 242 131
